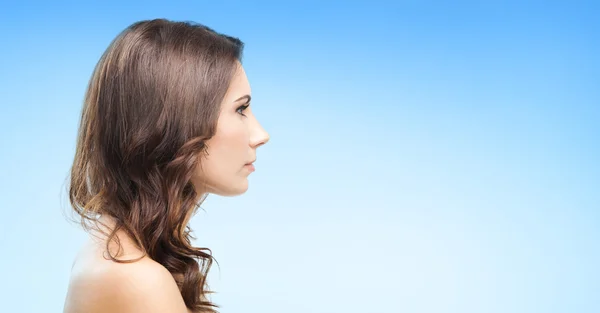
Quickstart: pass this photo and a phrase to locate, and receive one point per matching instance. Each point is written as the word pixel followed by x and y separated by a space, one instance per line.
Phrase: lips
pixel 250 167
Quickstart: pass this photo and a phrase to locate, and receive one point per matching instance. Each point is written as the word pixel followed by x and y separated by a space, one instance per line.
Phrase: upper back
pixel 100 285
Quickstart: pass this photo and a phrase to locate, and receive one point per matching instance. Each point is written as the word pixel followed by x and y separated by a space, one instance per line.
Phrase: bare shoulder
pixel 99 286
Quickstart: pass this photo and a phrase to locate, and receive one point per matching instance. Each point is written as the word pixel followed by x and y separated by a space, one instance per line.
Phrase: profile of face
pixel 232 150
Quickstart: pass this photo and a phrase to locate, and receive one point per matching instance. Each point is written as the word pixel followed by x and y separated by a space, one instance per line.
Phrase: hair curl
pixel 152 102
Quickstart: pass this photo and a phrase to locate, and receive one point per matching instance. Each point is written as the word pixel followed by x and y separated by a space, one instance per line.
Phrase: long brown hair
pixel 152 102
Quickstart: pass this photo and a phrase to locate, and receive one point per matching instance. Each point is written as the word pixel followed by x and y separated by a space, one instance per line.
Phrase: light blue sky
pixel 424 156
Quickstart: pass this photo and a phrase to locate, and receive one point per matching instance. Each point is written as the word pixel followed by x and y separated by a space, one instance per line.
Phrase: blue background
pixel 424 156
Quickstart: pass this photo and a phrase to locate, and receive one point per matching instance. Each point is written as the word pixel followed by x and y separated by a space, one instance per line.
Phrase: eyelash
pixel 241 109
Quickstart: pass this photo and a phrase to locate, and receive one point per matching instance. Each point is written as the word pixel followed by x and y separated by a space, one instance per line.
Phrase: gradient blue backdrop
pixel 424 156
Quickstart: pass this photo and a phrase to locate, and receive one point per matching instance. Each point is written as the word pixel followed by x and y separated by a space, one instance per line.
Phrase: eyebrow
pixel 247 97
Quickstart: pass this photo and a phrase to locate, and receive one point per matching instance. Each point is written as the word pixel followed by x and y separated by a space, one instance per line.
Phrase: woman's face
pixel 224 171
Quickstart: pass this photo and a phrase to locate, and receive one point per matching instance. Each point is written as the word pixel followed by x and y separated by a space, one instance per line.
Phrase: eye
pixel 241 108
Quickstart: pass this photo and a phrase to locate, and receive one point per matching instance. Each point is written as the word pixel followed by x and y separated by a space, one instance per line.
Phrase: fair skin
pixel 224 171
pixel 100 285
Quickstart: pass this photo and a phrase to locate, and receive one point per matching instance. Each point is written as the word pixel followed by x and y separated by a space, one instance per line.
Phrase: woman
pixel 166 120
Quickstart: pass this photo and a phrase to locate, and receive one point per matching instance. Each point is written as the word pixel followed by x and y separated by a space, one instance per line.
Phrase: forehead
pixel 239 84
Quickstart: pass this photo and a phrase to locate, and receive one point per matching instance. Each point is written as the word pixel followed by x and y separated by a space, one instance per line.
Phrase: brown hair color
pixel 152 102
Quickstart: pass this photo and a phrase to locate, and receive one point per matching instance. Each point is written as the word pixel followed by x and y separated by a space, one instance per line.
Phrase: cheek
pixel 221 170
pixel 232 142
pixel 227 150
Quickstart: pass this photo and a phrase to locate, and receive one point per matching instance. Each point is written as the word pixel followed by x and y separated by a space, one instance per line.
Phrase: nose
pixel 259 136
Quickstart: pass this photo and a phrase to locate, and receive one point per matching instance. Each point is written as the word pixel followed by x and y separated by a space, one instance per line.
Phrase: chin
pixel 232 191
